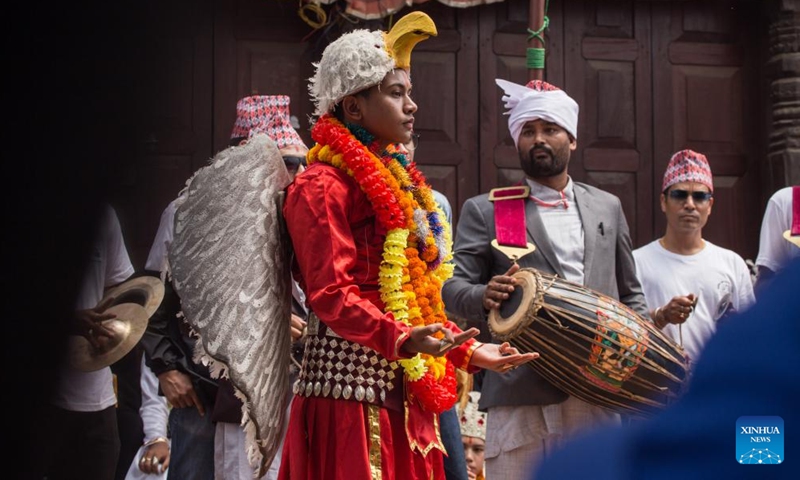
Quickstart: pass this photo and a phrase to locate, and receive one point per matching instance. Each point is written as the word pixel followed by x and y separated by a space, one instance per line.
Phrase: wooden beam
pixel 535 20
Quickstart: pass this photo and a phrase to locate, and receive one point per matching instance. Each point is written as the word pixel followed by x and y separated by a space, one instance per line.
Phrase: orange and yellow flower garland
pixel 416 251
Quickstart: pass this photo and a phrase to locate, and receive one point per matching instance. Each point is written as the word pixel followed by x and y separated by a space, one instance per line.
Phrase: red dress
pixel 338 248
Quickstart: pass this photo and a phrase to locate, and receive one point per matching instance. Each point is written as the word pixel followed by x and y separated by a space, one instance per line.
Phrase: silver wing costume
pixel 229 262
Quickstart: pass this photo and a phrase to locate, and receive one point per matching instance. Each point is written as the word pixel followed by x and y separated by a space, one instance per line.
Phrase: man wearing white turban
pixel 579 233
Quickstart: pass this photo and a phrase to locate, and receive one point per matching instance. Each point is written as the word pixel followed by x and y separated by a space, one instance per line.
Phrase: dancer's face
pixel 387 111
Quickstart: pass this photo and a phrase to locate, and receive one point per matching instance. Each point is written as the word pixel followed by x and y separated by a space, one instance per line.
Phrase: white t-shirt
pixel 774 251
pixel 108 265
pixel 717 276
pixel 154 413
pixel 157 258
pixel 154 410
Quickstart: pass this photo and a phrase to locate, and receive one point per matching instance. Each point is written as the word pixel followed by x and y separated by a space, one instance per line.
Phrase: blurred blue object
pixel 751 367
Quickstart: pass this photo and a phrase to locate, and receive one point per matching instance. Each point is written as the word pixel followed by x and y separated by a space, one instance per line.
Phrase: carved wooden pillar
pixel 783 67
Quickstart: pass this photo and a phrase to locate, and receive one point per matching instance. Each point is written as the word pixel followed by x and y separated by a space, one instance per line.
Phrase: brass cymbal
pixel 146 291
pixel 128 327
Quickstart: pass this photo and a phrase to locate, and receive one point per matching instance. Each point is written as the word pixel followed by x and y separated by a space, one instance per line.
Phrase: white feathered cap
pixel 360 59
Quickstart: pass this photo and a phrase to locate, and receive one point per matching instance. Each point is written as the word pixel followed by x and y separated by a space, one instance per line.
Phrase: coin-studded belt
pixel 336 368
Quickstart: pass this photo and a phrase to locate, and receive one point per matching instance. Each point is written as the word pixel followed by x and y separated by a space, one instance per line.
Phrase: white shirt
pixel 774 251
pixel 717 276
pixel 154 410
pixel 564 227
pixel 157 258
pixel 108 265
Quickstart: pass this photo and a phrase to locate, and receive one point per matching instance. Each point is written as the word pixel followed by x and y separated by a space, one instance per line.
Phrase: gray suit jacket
pixel 608 268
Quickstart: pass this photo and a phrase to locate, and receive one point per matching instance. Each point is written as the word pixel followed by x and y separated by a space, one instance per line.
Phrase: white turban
pixel 525 104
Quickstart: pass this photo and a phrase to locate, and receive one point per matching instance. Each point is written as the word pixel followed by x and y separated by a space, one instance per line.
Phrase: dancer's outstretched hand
pixel 421 340
pixel 500 358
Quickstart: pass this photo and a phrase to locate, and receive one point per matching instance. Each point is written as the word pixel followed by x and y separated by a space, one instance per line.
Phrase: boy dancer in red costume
pixel 372 250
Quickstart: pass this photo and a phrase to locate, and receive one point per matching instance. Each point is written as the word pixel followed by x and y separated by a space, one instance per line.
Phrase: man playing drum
pixel 693 282
pixel 579 233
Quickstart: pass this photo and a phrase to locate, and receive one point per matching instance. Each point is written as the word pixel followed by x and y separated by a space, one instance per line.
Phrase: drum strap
pixel 509 221
pixel 509 215
pixel 795 211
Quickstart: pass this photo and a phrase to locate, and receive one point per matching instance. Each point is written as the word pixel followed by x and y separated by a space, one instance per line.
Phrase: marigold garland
pixel 416 251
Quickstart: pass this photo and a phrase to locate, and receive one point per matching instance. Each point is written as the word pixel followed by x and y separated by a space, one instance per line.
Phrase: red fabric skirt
pixel 329 439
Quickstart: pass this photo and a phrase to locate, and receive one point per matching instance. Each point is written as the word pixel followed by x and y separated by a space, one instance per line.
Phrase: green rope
pixel 538 33
pixel 535 56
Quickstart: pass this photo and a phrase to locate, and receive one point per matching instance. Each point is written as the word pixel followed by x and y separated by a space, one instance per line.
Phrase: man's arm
pixel 771 244
pixel 165 358
pixel 162 354
pixel 463 293
pixel 745 295
pixel 630 290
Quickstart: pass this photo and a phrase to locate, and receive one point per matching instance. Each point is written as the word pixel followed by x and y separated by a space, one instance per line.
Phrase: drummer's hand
pixel 297 325
pixel 421 340
pixel 499 287
pixel 155 458
pixel 88 323
pixel 178 388
pixel 676 311
pixel 500 358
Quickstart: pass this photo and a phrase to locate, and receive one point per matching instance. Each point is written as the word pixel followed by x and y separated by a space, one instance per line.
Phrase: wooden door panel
pixel 706 119
pixel 608 73
pixel 705 90
pixel 444 74
pixel 174 99
pixel 434 75
pixel 259 50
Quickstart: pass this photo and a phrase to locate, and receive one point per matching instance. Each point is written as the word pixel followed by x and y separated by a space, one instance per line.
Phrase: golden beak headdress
pixel 360 59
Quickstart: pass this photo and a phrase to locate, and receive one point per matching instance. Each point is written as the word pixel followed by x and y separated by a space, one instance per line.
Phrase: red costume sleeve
pixel 321 208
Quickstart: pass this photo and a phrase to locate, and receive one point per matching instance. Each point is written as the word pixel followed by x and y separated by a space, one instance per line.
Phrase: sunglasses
pixel 293 162
pixel 698 197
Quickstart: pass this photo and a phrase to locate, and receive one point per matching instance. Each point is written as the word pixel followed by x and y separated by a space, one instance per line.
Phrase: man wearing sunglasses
pixel 690 282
